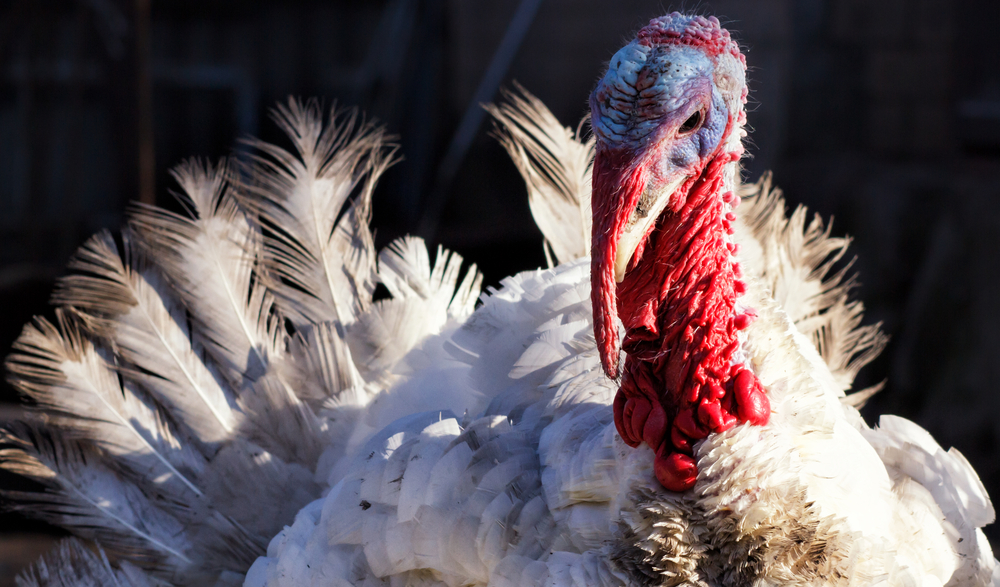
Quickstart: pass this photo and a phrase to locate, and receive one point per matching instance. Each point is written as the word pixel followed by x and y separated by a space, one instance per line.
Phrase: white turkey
pixel 671 411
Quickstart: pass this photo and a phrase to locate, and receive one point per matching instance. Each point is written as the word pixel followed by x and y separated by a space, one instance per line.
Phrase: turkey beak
pixel 652 203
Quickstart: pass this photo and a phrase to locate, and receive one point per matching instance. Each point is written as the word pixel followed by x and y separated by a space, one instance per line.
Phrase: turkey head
pixel 668 117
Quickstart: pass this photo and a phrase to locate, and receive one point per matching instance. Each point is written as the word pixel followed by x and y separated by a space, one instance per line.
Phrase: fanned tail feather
pixel 117 469
pixel 424 299
pixel 325 370
pixel 800 266
pixel 210 261
pixel 126 302
pixel 72 564
pixel 72 380
pixel 556 165
pixel 280 422
pixel 187 416
pixel 112 505
pixel 319 250
pixel 405 269
pixel 154 417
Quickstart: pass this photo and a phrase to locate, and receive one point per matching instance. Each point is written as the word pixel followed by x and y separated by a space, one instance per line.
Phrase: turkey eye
pixel 691 123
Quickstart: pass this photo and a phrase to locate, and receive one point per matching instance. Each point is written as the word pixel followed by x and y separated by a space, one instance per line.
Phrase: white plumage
pixel 209 376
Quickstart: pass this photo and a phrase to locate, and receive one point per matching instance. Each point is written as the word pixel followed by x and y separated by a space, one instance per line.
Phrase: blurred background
pixel 884 115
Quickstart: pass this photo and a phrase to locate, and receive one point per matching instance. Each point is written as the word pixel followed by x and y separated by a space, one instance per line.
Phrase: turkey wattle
pixel 209 376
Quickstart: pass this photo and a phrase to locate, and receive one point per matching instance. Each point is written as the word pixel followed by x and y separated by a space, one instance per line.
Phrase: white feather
pixel 531 486
pixel 98 502
pixel 71 564
pixel 125 302
pixel 280 422
pixel 425 299
pixel 323 255
pixel 324 367
pixel 537 493
pixel 799 265
pixel 556 166
pixel 209 260
pixel 67 376
pixel 258 491
pixel 132 308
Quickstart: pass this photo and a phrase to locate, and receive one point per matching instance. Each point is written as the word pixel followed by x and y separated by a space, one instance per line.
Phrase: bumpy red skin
pixel 677 302
pixel 701 32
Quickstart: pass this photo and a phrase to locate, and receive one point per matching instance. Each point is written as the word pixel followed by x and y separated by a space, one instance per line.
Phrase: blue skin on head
pixel 689 150
pixel 647 95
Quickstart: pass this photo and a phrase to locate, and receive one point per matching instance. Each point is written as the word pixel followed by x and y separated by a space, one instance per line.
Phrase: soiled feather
pixel 322 257
pixel 67 376
pixel 209 260
pixel 132 308
pixel 556 165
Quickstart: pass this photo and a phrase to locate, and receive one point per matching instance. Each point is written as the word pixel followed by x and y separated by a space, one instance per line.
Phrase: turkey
pixel 221 400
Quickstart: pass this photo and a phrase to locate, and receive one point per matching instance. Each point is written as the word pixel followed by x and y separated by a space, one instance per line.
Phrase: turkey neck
pixel 684 376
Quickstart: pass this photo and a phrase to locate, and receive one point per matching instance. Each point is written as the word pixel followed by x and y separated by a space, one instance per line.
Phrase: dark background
pixel 883 114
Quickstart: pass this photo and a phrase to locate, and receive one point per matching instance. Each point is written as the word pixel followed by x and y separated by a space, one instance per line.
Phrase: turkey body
pixel 529 483
pixel 209 375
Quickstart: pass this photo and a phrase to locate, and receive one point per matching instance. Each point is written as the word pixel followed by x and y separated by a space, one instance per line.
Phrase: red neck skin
pixel 677 302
